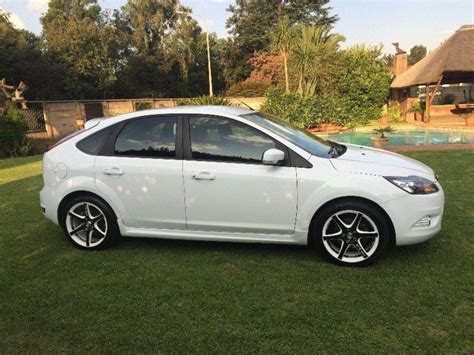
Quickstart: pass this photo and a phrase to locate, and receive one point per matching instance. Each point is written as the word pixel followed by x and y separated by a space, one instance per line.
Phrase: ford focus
pixel 220 173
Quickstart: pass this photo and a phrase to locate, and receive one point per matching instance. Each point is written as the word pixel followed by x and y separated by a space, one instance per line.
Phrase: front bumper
pixel 407 211
pixel 49 204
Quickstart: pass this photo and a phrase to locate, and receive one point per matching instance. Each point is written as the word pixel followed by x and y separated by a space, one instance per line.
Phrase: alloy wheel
pixel 86 224
pixel 350 236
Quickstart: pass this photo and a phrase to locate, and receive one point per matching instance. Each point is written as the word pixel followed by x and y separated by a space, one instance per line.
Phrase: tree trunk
pixel 285 62
pixel 300 84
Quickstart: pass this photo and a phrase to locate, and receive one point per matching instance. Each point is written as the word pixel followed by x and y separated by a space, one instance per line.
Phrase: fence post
pixel 47 123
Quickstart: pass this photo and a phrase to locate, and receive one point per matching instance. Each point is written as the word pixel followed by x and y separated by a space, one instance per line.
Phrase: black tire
pixel 101 238
pixel 361 249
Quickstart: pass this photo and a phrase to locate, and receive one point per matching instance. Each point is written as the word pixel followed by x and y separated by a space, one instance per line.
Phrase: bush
pixel 311 111
pixel 249 88
pixel 418 107
pixel 205 100
pixel 13 129
pixel 358 93
pixel 394 113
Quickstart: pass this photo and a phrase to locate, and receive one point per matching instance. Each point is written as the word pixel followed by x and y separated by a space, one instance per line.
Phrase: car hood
pixel 365 160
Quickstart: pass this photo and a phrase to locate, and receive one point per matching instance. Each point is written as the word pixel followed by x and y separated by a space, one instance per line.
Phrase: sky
pixel 374 22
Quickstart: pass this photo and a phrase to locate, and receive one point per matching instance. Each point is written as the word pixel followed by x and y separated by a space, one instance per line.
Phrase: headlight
pixel 413 184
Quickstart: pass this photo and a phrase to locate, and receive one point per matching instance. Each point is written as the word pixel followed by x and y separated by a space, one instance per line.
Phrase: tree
pixel 308 12
pixel 282 39
pixel 76 34
pixel 22 60
pixel 252 22
pixel 417 53
pixel 364 82
pixel 388 60
pixel 147 22
pixel 314 55
pixel 183 45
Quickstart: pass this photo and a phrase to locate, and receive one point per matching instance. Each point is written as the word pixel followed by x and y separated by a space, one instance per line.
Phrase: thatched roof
pixel 455 55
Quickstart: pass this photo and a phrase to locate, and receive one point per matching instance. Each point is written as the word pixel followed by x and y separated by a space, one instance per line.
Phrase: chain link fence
pixel 35 117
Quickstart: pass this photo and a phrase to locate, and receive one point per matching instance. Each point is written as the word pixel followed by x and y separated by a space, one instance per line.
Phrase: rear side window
pixel 93 143
pixel 148 137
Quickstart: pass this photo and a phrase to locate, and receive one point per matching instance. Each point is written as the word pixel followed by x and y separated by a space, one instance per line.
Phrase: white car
pixel 219 173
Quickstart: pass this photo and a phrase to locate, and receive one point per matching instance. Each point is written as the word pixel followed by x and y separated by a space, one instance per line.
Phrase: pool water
pixel 405 137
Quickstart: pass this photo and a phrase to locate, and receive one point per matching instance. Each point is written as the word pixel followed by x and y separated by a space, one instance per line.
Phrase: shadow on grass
pixel 22 216
pixel 17 162
pixel 298 252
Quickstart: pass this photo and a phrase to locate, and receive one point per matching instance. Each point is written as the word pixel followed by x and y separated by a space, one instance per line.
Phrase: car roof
pixel 198 109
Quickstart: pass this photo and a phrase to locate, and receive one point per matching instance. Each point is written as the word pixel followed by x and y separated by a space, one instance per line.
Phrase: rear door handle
pixel 204 176
pixel 113 171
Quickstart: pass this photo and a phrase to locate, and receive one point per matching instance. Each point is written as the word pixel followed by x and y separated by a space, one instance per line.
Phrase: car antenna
pixel 248 106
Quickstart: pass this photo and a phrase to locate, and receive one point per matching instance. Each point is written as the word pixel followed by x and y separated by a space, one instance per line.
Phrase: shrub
pixel 311 111
pixel 205 100
pixel 383 130
pixel 394 113
pixel 417 107
pixel 249 88
pixel 13 129
pixel 359 89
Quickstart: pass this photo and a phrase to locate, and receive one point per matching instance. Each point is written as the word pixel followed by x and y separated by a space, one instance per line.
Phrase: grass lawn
pixel 179 296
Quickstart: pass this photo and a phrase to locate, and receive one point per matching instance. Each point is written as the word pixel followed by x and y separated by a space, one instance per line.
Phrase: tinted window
pixel 220 139
pixel 299 137
pixel 148 137
pixel 93 143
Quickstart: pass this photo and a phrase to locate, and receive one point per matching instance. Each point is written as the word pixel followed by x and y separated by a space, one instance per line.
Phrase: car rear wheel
pixel 89 223
pixel 352 233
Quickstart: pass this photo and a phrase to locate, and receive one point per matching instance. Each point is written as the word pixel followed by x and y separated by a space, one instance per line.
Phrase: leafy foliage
pixel 148 48
pixel 395 113
pixel 206 100
pixel 249 88
pixel 13 128
pixel 383 130
pixel 417 53
pixel 364 82
pixel 314 57
pixel 252 25
pixel 359 91
pixel 418 107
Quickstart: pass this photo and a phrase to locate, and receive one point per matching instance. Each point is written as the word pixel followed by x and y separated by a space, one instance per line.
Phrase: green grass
pixel 179 296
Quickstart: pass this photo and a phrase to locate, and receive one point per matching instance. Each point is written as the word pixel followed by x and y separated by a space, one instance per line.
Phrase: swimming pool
pixel 405 137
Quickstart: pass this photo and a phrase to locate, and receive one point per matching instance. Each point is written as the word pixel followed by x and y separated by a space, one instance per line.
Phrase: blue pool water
pixel 405 137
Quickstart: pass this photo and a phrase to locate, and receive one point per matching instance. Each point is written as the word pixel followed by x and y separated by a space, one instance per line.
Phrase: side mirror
pixel 273 156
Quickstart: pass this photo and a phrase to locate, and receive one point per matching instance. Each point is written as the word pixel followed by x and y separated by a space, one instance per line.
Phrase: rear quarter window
pixel 93 143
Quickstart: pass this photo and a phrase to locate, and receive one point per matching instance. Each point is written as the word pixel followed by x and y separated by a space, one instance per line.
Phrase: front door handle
pixel 204 176
pixel 113 171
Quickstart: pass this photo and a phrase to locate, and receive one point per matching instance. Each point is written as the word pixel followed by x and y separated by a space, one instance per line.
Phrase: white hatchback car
pixel 232 174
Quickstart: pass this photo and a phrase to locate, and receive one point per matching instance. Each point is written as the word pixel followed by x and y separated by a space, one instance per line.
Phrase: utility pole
pixel 209 69
pixel 208 45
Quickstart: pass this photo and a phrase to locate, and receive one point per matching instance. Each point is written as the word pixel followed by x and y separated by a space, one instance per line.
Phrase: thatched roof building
pixel 444 77
pixel 454 59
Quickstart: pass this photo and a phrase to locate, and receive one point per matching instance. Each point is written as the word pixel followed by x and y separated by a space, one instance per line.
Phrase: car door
pixel 227 187
pixel 140 169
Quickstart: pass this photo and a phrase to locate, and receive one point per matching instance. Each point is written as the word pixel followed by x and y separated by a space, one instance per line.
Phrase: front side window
pixel 220 139
pixel 299 137
pixel 148 137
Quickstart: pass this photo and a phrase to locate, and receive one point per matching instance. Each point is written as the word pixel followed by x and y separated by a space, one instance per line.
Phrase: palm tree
pixel 282 38
pixel 312 51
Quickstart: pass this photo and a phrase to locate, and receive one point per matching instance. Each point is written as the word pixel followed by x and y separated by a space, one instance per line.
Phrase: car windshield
pixel 299 137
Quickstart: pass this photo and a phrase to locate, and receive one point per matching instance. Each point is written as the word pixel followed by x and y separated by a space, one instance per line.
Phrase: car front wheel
pixel 352 233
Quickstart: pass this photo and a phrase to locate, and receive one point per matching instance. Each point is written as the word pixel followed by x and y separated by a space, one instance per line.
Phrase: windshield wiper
pixel 336 149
